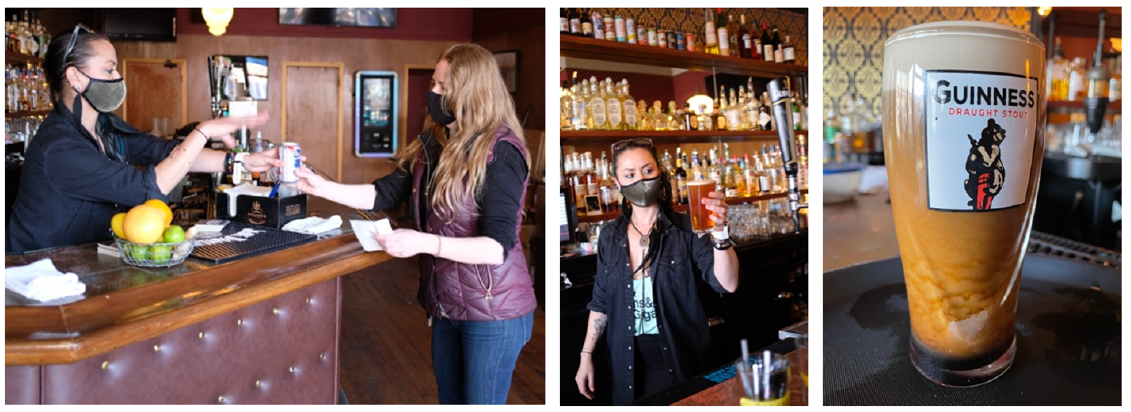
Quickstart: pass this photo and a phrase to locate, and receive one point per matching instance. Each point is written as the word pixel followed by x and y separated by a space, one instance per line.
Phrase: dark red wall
pixel 412 24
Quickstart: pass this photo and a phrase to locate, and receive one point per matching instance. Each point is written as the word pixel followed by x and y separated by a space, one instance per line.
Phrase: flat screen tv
pixel 140 24
pixel 362 17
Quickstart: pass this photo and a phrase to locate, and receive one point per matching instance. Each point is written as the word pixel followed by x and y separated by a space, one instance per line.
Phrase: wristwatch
pixel 721 238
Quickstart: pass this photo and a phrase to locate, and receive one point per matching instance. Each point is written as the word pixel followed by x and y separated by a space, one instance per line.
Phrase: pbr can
pixel 291 155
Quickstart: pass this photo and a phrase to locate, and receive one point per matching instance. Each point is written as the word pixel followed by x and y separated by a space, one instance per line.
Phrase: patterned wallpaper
pixel 854 43
pixel 691 20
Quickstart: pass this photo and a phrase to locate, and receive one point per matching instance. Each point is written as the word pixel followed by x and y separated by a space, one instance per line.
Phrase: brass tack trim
pixel 221 399
pixel 105 365
pixel 156 348
pixel 258 384
pixel 292 369
pixel 275 311
pixel 239 322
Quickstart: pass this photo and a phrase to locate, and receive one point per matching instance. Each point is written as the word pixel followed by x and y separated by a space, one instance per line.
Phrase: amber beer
pixel 964 136
pixel 700 216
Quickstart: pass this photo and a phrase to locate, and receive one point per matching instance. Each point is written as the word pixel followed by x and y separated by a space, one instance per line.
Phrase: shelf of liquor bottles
pixel 673 136
pixel 589 48
pixel 11 57
pixel 1065 105
pixel 33 113
pixel 741 200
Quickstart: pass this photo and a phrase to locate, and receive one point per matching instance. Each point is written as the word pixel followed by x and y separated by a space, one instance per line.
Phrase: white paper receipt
pixel 366 229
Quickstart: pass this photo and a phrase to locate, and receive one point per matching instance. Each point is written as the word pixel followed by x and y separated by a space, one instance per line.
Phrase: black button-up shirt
pixel 69 189
pixel 682 320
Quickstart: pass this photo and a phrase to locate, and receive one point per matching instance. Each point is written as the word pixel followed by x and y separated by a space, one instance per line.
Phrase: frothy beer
pixel 700 216
pixel 963 127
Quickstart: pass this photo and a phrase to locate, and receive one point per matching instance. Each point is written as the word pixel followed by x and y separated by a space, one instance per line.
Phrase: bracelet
pixel 589 352
pixel 206 138
pixel 439 245
pixel 228 162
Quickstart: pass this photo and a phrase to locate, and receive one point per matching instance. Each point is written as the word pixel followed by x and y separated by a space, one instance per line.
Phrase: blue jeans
pixel 474 361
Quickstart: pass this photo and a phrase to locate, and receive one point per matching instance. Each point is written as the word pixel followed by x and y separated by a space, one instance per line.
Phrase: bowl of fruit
pixel 146 237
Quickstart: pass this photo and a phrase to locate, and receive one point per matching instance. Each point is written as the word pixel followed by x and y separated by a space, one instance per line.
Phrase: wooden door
pixel 155 89
pixel 312 113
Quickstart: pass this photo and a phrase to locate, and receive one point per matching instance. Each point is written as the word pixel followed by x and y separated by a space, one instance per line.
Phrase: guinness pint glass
pixel 963 118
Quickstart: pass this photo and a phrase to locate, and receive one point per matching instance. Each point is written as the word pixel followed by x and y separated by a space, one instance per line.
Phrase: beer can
pixel 630 28
pixel 642 35
pixel 680 41
pixel 652 37
pixel 662 38
pixel 690 39
pixel 291 155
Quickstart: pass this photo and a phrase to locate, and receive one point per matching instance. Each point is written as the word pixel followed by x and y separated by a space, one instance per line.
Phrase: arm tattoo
pixel 599 326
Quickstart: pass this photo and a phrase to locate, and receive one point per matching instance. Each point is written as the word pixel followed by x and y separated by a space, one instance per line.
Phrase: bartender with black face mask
pixel 645 293
pixel 85 164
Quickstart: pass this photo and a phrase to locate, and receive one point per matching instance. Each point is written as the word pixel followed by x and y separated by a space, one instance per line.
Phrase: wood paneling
pixel 154 90
pixel 354 54
pixel 419 80
pixel 530 100
pixel 312 113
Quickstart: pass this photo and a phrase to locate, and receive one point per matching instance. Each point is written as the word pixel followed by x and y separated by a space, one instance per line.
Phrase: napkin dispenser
pixel 262 210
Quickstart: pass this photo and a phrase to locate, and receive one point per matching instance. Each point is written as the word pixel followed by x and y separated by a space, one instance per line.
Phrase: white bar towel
pixel 42 282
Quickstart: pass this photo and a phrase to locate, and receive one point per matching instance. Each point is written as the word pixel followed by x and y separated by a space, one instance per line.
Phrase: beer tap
pixel 779 95
pixel 1096 103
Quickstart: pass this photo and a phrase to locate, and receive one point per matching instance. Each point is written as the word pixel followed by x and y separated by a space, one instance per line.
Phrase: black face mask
pixel 437 111
pixel 643 193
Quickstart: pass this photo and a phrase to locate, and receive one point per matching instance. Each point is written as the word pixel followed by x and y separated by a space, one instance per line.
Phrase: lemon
pixel 117 223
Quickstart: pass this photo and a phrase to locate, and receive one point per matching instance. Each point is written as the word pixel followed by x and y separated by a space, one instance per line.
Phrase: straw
pixel 767 361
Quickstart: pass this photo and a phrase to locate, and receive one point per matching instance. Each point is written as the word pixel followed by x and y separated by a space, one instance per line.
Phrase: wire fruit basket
pixel 157 254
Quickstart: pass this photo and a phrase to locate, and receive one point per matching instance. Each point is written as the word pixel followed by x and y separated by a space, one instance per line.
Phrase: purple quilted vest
pixel 465 292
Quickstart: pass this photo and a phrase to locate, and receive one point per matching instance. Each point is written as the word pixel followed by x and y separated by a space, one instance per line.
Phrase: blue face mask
pixel 437 111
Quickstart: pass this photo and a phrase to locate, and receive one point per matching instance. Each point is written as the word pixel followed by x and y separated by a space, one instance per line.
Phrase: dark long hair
pixel 57 61
pixel 665 201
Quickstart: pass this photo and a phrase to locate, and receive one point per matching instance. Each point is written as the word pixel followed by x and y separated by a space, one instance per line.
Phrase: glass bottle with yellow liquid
pixel 631 118
pixel 598 116
pixel 613 106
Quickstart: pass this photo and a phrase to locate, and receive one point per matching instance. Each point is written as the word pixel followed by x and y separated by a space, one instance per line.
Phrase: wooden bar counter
pixel 264 329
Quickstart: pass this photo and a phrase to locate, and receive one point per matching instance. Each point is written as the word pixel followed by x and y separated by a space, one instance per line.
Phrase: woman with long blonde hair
pixel 465 180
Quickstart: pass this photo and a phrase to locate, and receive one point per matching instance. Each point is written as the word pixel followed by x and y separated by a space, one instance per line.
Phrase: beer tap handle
pixel 779 95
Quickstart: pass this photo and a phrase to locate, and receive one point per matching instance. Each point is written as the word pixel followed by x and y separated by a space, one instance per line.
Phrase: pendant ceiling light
pixel 217 19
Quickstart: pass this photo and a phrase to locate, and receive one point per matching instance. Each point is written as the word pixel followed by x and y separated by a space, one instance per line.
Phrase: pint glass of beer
pixel 964 117
pixel 700 216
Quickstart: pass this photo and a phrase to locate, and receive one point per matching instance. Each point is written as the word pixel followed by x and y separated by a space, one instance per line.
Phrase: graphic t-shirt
pixel 645 308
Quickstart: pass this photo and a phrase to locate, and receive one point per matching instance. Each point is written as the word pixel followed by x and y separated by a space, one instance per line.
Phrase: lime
pixel 139 253
pixel 160 253
pixel 174 234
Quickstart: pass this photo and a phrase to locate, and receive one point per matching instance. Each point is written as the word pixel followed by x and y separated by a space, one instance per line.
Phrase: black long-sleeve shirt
pixel 70 189
pixel 499 202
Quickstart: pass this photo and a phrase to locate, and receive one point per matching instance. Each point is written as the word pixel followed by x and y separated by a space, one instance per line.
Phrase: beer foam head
pixel 700 182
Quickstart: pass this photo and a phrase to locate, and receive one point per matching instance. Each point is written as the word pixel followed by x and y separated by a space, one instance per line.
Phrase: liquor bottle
pixel 598 26
pixel 675 120
pixel 566 107
pixel 1058 75
pixel 720 119
pixel 711 36
pixel 779 55
pixel 765 183
pixel 575 22
pixel 788 52
pixel 738 181
pixel 704 119
pixel 577 187
pixel 614 107
pixel 734 112
pixel 724 35
pixel 796 111
pixel 767 43
pixel 756 38
pixel 563 22
pixel 659 121
pixel 592 180
pixel 679 191
pixel 734 36
pixel 630 114
pixel 686 118
pixel 750 175
pixel 610 28
pixel 608 189
pixel 745 42
pixel 647 120
pixel 598 115
pixel 697 171
pixel 580 110
pixel 22 34
pixel 765 120
pixel 620 30
pixel 714 172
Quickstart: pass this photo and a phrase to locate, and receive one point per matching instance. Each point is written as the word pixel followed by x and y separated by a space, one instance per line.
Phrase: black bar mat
pixel 1068 339
pixel 268 240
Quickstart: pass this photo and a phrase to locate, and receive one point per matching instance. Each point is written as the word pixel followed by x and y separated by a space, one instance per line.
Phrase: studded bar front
pixel 280 351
